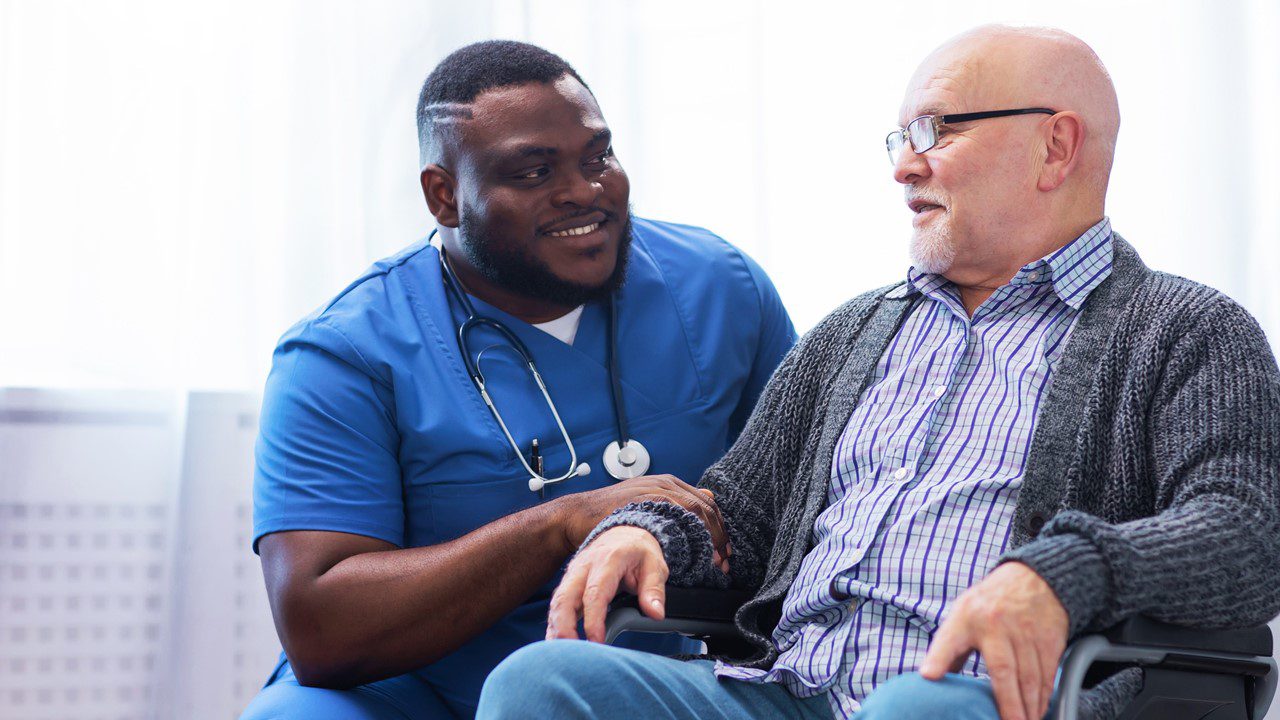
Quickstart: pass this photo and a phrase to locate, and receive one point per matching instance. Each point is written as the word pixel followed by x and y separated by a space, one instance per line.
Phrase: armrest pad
pixel 695 603
pixel 1143 630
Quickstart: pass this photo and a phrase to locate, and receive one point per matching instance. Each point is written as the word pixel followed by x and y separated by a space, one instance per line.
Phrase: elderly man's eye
pixel 535 173
pixel 945 135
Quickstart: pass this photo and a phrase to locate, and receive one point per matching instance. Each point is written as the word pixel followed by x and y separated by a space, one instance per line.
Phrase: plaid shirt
pixel 925 477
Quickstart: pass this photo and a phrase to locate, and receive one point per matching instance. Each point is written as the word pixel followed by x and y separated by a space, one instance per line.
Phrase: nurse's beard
pixel 522 273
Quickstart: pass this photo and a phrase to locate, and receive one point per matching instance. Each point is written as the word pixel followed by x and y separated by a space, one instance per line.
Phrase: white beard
pixel 932 251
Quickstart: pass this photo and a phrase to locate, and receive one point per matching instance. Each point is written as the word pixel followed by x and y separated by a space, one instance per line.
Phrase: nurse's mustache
pixel 595 212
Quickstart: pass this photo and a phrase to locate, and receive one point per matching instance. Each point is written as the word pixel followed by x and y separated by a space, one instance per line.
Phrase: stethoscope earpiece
pixel 538 482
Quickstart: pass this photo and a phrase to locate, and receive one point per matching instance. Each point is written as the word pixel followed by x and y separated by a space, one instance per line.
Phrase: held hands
pixel 1015 620
pixel 586 510
pixel 622 556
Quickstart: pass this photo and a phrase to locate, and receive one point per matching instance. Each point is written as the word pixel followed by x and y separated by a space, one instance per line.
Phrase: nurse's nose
pixel 578 189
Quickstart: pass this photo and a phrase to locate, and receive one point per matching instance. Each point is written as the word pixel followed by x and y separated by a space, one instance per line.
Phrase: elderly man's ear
pixel 1064 136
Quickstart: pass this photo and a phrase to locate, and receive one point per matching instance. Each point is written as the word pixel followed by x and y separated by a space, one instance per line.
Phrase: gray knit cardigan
pixel 1152 485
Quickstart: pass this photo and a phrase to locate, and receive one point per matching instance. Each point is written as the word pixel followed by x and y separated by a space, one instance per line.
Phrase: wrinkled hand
pixel 586 510
pixel 1018 624
pixel 623 556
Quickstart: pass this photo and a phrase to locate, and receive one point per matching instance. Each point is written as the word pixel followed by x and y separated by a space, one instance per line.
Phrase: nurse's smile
pixel 578 224
pixel 584 236
pixel 581 230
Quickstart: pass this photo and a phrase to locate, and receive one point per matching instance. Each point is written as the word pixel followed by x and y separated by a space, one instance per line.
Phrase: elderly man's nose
pixel 910 166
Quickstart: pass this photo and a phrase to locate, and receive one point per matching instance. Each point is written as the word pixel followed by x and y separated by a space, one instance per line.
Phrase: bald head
pixel 996 66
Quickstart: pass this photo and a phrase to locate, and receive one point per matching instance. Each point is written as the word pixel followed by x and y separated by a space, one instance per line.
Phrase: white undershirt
pixel 563 328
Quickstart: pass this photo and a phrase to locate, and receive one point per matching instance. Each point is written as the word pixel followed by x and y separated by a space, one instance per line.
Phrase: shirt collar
pixel 1081 265
pixel 1073 270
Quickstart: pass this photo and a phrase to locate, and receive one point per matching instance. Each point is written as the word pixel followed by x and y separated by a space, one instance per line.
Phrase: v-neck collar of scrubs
pixel 545 347
pixel 563 328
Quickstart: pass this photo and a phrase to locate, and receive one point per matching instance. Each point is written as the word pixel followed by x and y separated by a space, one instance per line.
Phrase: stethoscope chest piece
pixel 631 461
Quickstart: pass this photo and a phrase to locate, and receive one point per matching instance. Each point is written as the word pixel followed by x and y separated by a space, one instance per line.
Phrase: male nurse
pixel 405 550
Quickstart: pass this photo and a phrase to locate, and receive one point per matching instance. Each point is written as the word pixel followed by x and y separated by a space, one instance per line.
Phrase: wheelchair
pixel 1187 674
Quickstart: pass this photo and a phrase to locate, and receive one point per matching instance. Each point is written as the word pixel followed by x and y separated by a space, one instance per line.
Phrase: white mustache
pixel 913 195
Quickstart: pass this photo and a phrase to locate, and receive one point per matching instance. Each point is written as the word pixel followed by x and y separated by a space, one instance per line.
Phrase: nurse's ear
pixel 438 187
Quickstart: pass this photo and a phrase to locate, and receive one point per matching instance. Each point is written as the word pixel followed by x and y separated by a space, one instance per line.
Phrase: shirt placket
pixel 905 460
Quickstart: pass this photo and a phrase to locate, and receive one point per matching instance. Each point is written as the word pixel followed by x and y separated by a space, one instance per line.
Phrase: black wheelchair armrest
pixel 1143 630
pixel 701 613
pixel 1180 665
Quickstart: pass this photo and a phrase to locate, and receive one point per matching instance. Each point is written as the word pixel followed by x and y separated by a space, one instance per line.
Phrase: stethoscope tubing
pixel 475 320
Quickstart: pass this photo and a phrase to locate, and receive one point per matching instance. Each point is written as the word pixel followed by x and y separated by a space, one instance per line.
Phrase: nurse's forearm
pixel 352 609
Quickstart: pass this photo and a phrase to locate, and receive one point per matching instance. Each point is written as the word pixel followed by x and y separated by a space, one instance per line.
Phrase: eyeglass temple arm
pixel 966 117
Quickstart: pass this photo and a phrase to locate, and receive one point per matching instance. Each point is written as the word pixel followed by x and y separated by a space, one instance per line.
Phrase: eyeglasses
pixel 923 131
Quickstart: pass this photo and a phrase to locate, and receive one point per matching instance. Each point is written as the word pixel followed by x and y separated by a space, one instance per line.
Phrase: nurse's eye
pixel 534 173
pixel 599 161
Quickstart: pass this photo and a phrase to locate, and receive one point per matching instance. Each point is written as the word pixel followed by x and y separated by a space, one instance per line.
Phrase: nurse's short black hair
pixel 471 70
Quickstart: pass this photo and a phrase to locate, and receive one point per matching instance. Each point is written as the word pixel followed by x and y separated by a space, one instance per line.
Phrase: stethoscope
pixel 623 458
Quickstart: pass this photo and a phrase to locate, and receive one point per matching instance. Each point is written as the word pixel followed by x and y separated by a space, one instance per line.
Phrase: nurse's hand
pixel 583 511
pixel 623 556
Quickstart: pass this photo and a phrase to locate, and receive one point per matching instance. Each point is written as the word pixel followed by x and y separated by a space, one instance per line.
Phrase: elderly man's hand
pixel 1015 620
pixel 621 556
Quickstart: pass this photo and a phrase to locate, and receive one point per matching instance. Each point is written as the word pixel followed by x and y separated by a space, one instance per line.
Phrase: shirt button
pixel 901 474
pixel 1033 276
pixel 940 391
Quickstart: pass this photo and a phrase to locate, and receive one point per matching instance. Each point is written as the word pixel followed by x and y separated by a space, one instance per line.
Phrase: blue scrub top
pixel 371 426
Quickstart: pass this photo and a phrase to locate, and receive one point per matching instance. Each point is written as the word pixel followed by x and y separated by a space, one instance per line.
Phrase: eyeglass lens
pixel 921 131
pixel 893 143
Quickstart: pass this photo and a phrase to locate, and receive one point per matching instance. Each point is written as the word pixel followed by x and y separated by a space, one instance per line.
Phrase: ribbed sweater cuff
pixel 1075 570
pixel 685 541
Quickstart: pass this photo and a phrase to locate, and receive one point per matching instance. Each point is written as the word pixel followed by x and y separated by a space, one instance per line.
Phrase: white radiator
pixel 127 587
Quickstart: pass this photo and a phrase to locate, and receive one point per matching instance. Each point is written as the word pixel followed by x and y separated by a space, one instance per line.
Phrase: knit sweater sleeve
pixel 686 544
pixel 1209 557
pixel 753 481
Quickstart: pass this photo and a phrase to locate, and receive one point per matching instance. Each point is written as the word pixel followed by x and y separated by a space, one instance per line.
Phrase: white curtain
pixel 179 182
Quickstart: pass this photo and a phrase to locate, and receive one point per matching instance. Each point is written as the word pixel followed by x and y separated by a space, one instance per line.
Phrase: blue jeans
pixel 578 679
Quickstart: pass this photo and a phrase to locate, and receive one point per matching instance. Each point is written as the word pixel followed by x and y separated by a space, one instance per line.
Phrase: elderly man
pixel 1030 438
